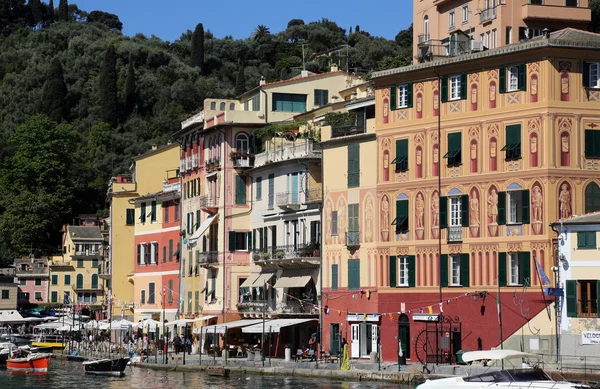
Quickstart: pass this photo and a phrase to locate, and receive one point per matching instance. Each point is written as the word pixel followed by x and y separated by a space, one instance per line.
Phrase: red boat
pixel 36 362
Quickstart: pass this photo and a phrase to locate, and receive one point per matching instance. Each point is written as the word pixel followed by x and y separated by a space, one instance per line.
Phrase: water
pixel 71 376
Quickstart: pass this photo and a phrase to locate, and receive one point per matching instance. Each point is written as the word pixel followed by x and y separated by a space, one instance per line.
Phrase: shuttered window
pixel 586 240
pixel 240 190
pixel 401 160
pixel 334 223
pixel 401 220
pixel 464 270
pixel 321 97
pixel 444 270
pixel 592 143
pixel 353 274
pixel 513 78
pixel 443 212
pixel 393 269
pixel 513 142
pixel 334 277
pixel 454 154
pixel 353 166
pixel 130 217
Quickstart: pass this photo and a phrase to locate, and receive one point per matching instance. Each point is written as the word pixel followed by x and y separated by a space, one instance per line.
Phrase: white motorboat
pixel 519 371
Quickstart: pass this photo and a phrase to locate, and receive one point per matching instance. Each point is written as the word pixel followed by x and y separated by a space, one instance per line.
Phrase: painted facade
pixel 33 275
pixel 147 177
pixel 8 288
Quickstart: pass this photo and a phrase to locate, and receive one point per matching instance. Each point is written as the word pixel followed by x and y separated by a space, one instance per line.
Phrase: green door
pixel 294 188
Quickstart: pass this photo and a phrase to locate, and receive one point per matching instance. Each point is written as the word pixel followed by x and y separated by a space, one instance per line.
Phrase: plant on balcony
pixel 335 119
pixel 265 256
pixel 279 254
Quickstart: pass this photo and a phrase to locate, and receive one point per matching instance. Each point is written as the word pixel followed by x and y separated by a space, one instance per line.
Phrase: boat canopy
pixel 498 355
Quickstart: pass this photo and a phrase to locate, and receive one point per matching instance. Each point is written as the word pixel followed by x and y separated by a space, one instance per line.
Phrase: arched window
pixel 94 281
pixel 222 106
pixel 80 281
pixel 592 198
pixel 232 107
pixel 213 106
pixel 426 28
pixel 242 144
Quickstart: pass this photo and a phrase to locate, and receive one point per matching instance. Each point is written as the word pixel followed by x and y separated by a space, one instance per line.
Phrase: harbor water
pixel 65 374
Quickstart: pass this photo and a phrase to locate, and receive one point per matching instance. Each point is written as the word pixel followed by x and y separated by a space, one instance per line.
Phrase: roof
pixel 565 38
pixel 85 232
pixel 33 269
pixel 156 150
pixel 590 218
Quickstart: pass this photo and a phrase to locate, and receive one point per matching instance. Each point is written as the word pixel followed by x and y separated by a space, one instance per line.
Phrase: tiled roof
pixel 33 268
pixel 85 232
pixel 299 77
pixel 589 218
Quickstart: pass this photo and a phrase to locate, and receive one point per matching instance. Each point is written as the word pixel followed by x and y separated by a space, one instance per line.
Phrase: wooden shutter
pixel 464 210
pixel 411 270
pixel 231 240
pixel 334 277
pixel 204 244
pixel 250 235
pixel 501 208
pixel 502 269
pixel 393 97
pixel 334 221
pixel 502 80
pixel 401 213
pixel 171 250
pixel 463 86
pixel 139 254
pixel 525 268
pixel 443 212
pixel 444 82
pixel 464 270
pixel 401 154
pixel 585 74
pixel 197 219
pixel 147 253
pixel 274 237
pixel 360 120
pixel 444 270
pixel 353 166
pixel 571 298
pixel 525 213
pixel 240 190
pixel 522 77
pixel 393 270
pixel 409 95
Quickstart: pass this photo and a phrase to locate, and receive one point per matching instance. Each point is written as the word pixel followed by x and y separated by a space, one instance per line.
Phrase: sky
pixel 169 19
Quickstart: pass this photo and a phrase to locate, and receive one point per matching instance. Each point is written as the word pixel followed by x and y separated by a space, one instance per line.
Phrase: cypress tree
pixel 108 87
pixel 51 11
pixel 240 81
pixel 198 47
pixel 130 96
pixel 63 11
pixel 54 93
pixel 36 11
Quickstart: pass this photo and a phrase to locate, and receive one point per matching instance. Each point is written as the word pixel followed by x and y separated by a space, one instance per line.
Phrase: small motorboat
pixel 217 371
pixel 113 367
pixel 521 375
pixel 33 362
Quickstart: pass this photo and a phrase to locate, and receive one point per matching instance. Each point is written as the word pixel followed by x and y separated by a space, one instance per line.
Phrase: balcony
pixel 286 252
pixel 302 148
pixel 87 288
pixel 314 195
pixel 195 161
pixel 305 307
pixel 208 258
pixel 212 165
pixel 182 168
pixel 353 238
pixel 454 234
pixel 242 160
pixel 423 38
pixel 104 271
pixel 346 130
pixel 290 200
pixel 88 254
pixel 487 15
pixel 247 305
pixel 556 12
pixel 209 204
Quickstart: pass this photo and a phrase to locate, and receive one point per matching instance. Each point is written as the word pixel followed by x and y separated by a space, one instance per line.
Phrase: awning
pixel 297 278
pixel 249 281
pixel 232 324
pixel 261 279
pixel 178 323
pixel 203 227
pixel 202 318
pixel 273 325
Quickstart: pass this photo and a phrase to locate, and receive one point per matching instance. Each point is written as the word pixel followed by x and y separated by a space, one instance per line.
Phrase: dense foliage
pixel 106 97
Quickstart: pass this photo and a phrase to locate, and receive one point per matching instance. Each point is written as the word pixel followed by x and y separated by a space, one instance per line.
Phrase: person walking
pixel 177 343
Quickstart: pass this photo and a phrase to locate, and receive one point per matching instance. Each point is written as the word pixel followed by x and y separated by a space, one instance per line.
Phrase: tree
pixel 36 11
pixel 594 5
pixel 357 29
pixel 350 30
pixel 295 22
pixel 261 33
pixel 240 81
pixel 109 20
pixel 108 86
pixel 405 37
pixel 50 16
pixel 54 103
pixel 198 47
pixel 63 11
pixel 130 95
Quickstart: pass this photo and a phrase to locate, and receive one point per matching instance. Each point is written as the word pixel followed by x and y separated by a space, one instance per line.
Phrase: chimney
pixel 154 146
pixel 334 67
pixel 262 81
pixel 304 73
pixel 169 142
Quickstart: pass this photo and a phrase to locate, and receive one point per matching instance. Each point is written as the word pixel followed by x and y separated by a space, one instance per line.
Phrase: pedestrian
pixel 344 342
pixel 188 346
pixel 177 343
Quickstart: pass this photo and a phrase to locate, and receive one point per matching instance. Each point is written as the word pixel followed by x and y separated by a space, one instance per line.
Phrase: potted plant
pixel 265 256
pixel 279 255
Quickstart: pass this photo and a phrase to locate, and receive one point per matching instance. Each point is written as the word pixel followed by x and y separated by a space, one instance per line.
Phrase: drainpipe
pixel 557 317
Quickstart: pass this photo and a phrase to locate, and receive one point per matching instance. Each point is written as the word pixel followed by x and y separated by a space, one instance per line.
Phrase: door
pixel 365 339
pixel 374 338
pixel 355 341
pixel 294 188
pixel 334 339
pixel 404 338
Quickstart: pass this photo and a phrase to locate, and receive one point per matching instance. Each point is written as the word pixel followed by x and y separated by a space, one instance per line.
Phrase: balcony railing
pixel 353 238
pixel 182 167
pixel 87 254
pixel 211 165
pixel 423 38
pixel 314 195
pixel 454 233
pixel 295 307
pixel 208 258
pixel 299 149
pixel 241 162
pixel 87 287
pixel 487 15
pixel 346 130
pixel 286 252
pixel 104 271
pixel 195 161
pixel 288 199
pixel 207 201
pixel 247 305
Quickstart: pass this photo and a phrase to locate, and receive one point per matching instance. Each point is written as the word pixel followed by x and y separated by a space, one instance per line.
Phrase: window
pixel 401 220
pixel 513 78
pixel 537 2
pixel 518 207
pixel 170 292
pixel 94 281
pixel 465 14
pixel 455 211
pixel 153 253
pixel 582 298
pixel 401 96
pixel 176 212
pixel 353 237
pixel 271 190
pixel 242 144
pixel 258 188
pixel 166 207
pixel 402 271
pixel 401 160
pixel 571 3
pixel 513 142
pixel 22 282
pixel 130 217
pixel 514 268
pixel 592 143
pixel 5 294
pixel 334 277
pixel 426 28
pixel 80 263
pixel 240 190
pixel 94 264
pixel 142 297
pixel 586 240
pixel 455 87
pixel 222 106
pixel 451 20
pixel 240 241
pixel 151 292
pixel 321 97
pixel 508 35
pixel 190 223
pixel 67 279
pixel 153 211
pixel 143 213
pixel 494 39
pixel 213 106
pixel 454 154
pixel 232 106
pixel 486 39
pixel 54 279
pixel 353 166
pixel 286 102
pixel 592 198
pixel 334 223
pixel 354 274
pixel 38 296
pixel 54 296
pixel 79 281
pixel 455 270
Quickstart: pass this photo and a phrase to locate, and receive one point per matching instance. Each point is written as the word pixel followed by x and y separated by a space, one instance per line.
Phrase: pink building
pixel 33 275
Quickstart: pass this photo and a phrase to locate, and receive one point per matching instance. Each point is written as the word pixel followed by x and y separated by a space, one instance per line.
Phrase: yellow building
pixel 148 172
pixel 61 279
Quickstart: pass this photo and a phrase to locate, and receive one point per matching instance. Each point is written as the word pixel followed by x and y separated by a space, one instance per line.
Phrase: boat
pixel 18 340
pixel 522 373
pixel 217 371
pixel 114 367
pixel 33 362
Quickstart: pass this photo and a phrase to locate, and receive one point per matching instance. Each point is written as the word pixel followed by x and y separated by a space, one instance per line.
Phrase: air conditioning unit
pixel 476 45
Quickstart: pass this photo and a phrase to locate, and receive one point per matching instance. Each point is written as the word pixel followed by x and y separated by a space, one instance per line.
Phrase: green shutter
pixel 164 253
pixel 444 270
pixel 393 97
pixel 464 270
pixel 231 240
pixel 444 82
pixel 353 166
pixel 502 269
pixel 571 298
pixel 463 86
pixel 501 208
pixel 411 270
pixel 502 80
pixel 361 116
pixel 197 219
pixel 464 210
pixel 204 244
pixel 357 274
pixel 525 214
pixel 443 212
pixel 401 216
pixel 240 190
pixel 585 74
pixel 334 277
pixel 250 240
pixel 393 269
pixel 409 95
pixel 525 268
pixel 522 77
pixel 401 155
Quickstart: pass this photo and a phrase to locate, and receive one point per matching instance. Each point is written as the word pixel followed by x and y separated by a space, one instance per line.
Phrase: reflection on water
pixel 70 375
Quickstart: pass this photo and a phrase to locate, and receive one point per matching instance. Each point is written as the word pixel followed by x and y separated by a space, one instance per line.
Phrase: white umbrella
pixel 179 323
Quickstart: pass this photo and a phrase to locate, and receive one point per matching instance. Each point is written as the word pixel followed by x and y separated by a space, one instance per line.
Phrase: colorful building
pixel 447 28
pixel 8 291
pixel 475 155
pixel 148 173
pixel 33 275
pixel 157 244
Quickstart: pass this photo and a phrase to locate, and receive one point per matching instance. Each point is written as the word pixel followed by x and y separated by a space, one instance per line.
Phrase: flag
pixel 430 309
pixel 402 307
pixel 67 300
pixel 542 273
pixel 498 307
pixel 441 307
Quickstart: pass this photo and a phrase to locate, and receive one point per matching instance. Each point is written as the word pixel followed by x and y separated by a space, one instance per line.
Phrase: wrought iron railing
pixel 207 201
pixel 286 252
pixel 285 199
pixel 353 238
pixel 314 195
pixel 454 233
pixel 346 130
pixel 487 15
pixel 208 257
